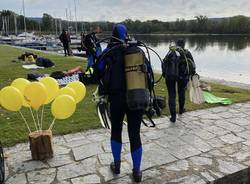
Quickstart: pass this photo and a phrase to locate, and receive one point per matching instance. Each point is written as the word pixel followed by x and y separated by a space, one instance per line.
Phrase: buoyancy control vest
pixel 137 92
pixel 124 68
pixel 127 71
pixel 178 64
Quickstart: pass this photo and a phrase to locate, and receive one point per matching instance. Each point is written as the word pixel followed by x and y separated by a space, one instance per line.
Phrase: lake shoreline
pixel 180 34
pixel 207 79
pixel 226 82
pixel 219 81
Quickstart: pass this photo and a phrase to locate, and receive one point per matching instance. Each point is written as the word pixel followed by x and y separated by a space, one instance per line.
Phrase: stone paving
pixel 201 147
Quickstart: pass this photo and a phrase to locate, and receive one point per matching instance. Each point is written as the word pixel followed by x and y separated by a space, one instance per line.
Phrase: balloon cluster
pixel 34 95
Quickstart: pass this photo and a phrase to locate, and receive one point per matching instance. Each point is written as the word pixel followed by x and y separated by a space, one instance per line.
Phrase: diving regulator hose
pixel 118 43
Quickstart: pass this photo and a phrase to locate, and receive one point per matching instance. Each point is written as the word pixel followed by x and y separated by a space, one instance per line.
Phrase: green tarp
pixel 210 98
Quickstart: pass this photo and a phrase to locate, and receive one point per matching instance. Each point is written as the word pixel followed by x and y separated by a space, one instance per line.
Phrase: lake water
pixel 219 57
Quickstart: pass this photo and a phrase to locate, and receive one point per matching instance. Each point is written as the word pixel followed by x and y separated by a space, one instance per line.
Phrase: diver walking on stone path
pixel 177 67
pixel 123 73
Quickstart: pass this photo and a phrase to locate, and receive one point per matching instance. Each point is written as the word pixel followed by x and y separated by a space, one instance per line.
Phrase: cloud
pixel 117 10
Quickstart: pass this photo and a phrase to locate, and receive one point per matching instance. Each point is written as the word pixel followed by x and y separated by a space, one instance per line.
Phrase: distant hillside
pixel 37 19
pixel 222 18
pixel 198 25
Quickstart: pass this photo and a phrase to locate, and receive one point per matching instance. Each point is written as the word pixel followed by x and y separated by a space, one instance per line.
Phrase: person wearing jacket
pixel 65 39
pixel 113 84
pixel 182 80
pixel 93 48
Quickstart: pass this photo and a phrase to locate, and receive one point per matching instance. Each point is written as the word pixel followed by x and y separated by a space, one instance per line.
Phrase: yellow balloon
pixel 36 94
pixel 52 88
pixel 63 107
pixel 21 84
pixel 67 91
pixel 79 88
pixel 11 98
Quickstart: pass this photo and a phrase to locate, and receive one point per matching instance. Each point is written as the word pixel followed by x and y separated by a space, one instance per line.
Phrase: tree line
pixel 201 24
pixel 12 23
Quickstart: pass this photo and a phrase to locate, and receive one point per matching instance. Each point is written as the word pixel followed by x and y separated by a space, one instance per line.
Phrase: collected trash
pixel 26 55
pixel 32 67
pixel 44 62
pixel 205 86
pixel 200 92
pixel 212 99
pixel 195 92
pixel 32 61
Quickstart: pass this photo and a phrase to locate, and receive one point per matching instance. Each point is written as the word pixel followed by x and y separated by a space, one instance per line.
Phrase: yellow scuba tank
pixel 137 94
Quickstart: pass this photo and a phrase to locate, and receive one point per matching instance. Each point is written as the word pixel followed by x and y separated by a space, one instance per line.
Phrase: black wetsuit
pixel 115 87
pixel 93 48
pixel 181 86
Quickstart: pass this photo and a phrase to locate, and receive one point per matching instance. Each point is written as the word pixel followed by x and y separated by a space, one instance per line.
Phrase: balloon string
pixel 38 123
pixel 52 124
pixel 24 120
pixel 42 117
pixel 33 118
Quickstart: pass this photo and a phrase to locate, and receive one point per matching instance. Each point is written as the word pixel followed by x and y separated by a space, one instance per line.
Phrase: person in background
pixel 83 47
pixel 179 67
pixel 65 39
pixel 93 48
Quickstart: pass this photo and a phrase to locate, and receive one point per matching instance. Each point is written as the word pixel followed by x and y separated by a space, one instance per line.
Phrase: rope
pixel 24 120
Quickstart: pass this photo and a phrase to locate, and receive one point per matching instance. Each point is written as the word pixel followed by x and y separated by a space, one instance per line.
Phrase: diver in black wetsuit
pixel 181 80
pixel 114 85
pixel 93 48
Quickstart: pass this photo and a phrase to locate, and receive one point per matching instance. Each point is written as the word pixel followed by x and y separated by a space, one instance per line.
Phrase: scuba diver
pixel 83 47
pixel 93 48
pixel 124 70
pixel 177 67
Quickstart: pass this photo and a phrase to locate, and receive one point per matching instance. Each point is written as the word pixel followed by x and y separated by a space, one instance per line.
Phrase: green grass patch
pixel 12 128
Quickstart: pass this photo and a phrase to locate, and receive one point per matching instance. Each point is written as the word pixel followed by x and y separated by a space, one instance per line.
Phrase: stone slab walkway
pixel 201 147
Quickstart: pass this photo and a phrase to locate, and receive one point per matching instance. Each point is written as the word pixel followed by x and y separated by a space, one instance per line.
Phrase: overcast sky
pixel 117 10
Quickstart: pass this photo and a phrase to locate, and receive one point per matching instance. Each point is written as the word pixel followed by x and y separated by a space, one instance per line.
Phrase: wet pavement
pixel 201 147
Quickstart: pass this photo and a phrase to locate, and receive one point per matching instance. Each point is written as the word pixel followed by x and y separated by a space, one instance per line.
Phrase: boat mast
pixel 15 24
pixel 3 26
pixel 60 25
pixel 70 17
pixel 55 21
pixel 40 31
pixel 75 16
pixel 67 18
pixel 24 21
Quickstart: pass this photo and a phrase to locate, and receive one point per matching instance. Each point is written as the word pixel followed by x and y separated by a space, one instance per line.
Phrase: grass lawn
pixel 12 128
